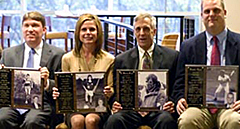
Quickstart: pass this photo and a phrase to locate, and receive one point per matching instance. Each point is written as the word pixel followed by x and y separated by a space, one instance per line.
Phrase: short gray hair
pixel 146 15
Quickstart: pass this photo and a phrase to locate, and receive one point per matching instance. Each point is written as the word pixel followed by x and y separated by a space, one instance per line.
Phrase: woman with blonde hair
pixel 88 56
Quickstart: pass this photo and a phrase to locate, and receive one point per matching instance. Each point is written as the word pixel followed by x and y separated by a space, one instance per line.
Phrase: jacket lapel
pixel 200 50
pixel 157 57
pixel 231 50
pixel 19 54
pixel 134 59
pixel 46 54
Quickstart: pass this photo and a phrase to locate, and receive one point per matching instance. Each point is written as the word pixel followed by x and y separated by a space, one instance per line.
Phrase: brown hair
pixel 222 4
pixel 78 43
pixel 34 15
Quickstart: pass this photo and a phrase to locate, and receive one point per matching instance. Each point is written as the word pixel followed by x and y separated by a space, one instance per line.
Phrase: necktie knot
pixel 215 39
pixel 32 51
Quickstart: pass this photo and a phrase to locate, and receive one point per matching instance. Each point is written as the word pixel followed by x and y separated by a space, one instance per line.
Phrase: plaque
pixel 21 88
pixel 6 87
pixel 80 92
pixel 65 101
pixel 211 86
pixel 195 85
pixel 142 90
pixel 126 89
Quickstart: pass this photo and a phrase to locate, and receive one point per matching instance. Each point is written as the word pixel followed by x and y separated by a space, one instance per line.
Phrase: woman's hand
pixel 108 91
pixel 55 93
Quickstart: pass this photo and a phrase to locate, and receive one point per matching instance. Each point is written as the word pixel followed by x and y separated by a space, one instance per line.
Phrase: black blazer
pixel 194 51
pixel 163 58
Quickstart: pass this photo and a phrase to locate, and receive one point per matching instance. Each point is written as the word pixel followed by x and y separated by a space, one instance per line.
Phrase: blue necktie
pixel 30 62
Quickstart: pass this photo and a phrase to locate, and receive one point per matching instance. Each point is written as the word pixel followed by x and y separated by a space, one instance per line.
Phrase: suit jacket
pixel 51 58
pixel 39 105
pixel 163 58
pixel 194 51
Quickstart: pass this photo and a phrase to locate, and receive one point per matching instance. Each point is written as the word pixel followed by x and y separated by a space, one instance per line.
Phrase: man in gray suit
pixel 47 58
pixel 160 58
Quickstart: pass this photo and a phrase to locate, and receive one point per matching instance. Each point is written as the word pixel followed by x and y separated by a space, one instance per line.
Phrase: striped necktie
pixel 147 63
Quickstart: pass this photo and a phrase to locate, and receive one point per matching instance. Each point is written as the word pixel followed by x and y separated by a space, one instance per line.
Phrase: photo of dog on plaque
pixel 89 91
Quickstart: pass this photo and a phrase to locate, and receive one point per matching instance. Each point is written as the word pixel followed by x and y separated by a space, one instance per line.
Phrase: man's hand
pixel 236 106
pixel 55 93
pixel 45 75
pixel 107 91
pixel 1 66
pixel 181 106
pixel 116 107
pixel 169 107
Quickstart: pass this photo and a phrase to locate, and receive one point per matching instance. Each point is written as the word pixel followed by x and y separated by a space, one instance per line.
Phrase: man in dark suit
pixel 160 58
pixel 41 55
pixel 216 46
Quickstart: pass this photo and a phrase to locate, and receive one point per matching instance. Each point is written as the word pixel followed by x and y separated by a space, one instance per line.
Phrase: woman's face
pixel 88 33
pixel 100 102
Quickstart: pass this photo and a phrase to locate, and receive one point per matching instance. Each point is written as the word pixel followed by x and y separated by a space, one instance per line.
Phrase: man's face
pixel 213 16
pixel 150 83
pixel 28 76
pixel 33 32
pixel 230 98
pixel 35 99
pixel 144 33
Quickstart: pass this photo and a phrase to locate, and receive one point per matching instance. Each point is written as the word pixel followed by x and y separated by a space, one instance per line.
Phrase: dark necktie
pixel 147 63
pixel 215 60
pixel 30 62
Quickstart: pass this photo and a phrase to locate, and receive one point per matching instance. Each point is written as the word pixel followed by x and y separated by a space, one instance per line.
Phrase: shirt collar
pixel 221 37
pixel 37 49
pixel 150 51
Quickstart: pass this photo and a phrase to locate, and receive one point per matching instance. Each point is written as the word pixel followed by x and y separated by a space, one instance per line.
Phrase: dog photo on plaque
pixel 21 88
pixel 142 90
pixel 80 92
pixel 211 86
